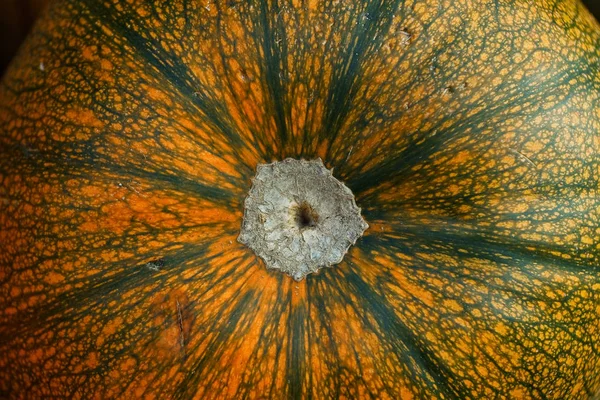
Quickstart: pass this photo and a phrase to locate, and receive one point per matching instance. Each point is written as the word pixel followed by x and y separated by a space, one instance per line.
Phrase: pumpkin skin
pixel 467 130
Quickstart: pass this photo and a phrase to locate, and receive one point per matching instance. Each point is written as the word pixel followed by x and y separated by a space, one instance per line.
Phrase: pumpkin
pixel 467 132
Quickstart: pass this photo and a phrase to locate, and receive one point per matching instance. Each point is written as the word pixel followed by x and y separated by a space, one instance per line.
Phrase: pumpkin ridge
pixel 177 73
pixel 296 357
pixel 343 88
pixel 204 362
pixel 419 150
pixel 273 67
pixel 398 336
pixel 485 248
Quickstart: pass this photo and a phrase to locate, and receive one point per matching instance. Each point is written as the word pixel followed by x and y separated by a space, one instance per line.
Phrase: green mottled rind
pixel 467 130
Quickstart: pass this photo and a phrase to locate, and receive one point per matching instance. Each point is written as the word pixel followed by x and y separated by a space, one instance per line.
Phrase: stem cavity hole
pixel 306 217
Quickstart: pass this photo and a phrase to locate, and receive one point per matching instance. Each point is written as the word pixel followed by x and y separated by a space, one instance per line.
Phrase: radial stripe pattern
pixel 467 130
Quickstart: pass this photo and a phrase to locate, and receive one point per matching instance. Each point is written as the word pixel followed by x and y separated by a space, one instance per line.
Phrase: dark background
pixel 594 7
pixel 17 16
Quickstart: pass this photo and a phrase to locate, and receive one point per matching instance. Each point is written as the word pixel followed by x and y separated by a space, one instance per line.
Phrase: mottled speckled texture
pixel 467 130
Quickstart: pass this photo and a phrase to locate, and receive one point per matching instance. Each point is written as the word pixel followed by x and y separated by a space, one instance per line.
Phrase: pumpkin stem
pixel 298 218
